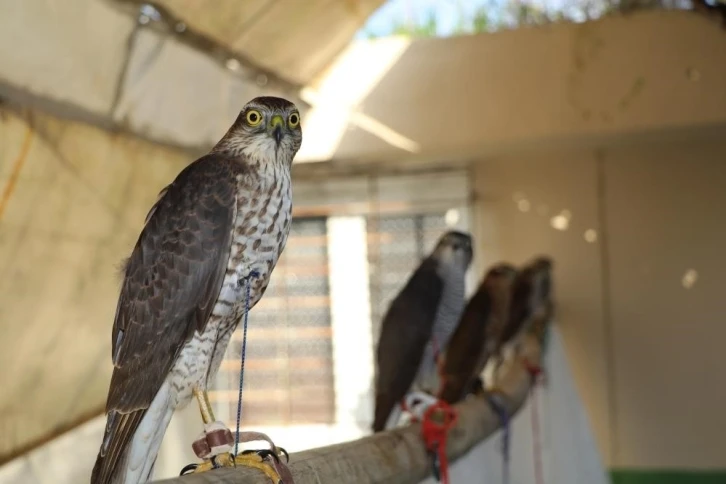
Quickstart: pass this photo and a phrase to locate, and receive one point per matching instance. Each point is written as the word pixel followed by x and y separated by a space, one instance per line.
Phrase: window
pixel 396 245
pixel 366 234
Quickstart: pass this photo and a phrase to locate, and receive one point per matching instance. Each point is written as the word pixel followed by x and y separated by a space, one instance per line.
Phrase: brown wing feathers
pixel 171 283
pixel 465 347
pixel 405 331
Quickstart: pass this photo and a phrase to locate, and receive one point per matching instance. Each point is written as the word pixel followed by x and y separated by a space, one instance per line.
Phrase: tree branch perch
pixel 397 456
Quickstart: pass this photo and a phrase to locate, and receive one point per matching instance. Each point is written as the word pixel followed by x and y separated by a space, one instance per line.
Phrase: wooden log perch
pixel 397 456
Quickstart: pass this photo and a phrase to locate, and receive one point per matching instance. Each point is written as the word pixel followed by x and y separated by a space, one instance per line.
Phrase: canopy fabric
pixel 103 62
pixel 296 39
pixel 74 195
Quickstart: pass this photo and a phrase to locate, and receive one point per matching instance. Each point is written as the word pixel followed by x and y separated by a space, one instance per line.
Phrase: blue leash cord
pixel 503 415
pixel 252 274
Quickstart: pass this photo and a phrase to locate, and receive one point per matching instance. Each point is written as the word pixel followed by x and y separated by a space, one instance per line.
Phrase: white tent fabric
pixel 295 39
pixel 74 189
pixel 74 200
pixel 91 60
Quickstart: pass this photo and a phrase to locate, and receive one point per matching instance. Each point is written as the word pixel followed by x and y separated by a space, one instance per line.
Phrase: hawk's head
pixel 501 273
pixel 266 130
pixel 454 250
pixel 498 281
pixel 541 269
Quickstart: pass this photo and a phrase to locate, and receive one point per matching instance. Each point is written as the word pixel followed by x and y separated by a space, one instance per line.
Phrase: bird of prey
pixel 450 309
pixel 474 339
pixel 531 295
pixel 221 224
pixel 419 311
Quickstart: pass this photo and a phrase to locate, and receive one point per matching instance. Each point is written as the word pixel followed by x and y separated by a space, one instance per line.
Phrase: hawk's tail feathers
pixel 111 460
pixel 131 442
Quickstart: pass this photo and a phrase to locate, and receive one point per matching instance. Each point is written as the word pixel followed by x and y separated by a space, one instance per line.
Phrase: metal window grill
pixel 289 369
pixel 396 245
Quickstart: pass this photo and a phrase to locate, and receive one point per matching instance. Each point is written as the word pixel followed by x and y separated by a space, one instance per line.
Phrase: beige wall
pixel 551 183
pixel 666 207
pixel 645 352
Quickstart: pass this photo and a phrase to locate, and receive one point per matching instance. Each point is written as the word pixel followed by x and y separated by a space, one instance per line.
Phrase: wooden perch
pixel 397 456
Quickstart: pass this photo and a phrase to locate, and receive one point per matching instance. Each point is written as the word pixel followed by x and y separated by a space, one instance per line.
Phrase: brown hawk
pixel 225 216
pixel 531 297
pixel 475 339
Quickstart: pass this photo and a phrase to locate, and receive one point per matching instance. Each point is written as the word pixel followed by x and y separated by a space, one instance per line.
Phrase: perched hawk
pixel 429 304
pixel 531 295
pixel 451 307
pixel 225 216
pixel 474 340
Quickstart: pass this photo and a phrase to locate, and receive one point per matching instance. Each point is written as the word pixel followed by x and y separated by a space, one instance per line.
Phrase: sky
pixel 446 11
pixel 449 11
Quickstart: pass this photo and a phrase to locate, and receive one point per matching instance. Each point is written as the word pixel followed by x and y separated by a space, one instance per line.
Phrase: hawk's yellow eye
pixel 253 117
pixel 293 120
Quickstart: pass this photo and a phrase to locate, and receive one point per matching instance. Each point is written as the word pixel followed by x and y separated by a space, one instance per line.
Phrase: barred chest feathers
pixel 260 233
pixel 261 227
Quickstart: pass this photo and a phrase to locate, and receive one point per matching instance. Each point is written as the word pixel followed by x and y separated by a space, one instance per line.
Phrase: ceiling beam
pixel 156 16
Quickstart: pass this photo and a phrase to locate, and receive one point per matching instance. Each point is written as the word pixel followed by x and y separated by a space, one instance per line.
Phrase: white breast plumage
pixel 260 232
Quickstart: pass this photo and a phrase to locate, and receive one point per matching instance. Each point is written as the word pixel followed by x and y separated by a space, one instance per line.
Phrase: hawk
pixel 220 225
pixel 427 305
pixel 474 339
pixel 531 296
pixel 451 306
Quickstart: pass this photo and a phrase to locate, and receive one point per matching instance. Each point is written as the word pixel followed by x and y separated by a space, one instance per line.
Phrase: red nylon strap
pixel 438 419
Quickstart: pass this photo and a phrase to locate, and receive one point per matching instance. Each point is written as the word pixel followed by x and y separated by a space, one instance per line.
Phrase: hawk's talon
pixel 268 452
pixel 262 453
pixel 247 458
pixel 255 460
pixel 281 450
pixel 189 467
pixel 213 460
pixel 215 445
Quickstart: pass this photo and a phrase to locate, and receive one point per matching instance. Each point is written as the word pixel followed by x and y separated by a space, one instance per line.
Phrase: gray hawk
pixel 428 305
pixel 225 217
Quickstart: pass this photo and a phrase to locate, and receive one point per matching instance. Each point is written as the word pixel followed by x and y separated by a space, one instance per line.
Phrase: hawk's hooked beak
pixel 276 124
